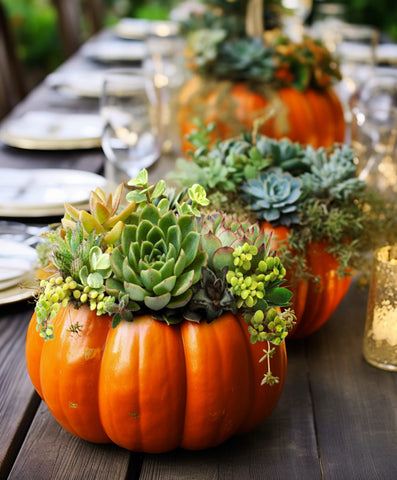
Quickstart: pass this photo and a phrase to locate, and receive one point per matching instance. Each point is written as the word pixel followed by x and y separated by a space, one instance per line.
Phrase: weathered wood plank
pixel 284 446
pixel 17 397
pixel 51 452
pixel 355 404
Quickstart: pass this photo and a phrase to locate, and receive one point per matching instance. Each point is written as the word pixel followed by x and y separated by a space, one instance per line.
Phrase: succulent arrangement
pixel 161 255
pixel 313 192
pixel 218 47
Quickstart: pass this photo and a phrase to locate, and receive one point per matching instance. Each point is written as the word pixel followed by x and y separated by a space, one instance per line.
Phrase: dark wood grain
pixel 355 404
pixel 17 397
pixel 50 452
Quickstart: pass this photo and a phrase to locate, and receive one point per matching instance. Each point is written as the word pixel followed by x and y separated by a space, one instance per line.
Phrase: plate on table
pixel 386 53
pixel 137 28
pixel 17 266
pixel 82 84
pixel 41 130
pixel 43 192
pixel 115 51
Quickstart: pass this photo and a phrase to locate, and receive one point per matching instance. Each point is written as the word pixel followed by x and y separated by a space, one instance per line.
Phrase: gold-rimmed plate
pixel 41 130
pixel 17 271
pixel 138 29
pixel 43 192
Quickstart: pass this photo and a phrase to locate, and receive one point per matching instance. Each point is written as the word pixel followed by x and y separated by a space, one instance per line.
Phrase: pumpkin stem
pixel 254 22
pixel 259 122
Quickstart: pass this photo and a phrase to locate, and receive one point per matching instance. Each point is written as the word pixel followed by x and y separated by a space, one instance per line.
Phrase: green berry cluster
pixel 270 327
pixel 250 287
pixel 57 292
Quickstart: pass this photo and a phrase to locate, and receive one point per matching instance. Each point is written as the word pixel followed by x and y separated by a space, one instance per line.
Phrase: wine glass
pixel 374 134
pixel 130 107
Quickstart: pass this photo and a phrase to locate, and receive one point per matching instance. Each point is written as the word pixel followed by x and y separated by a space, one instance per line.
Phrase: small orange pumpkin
pixel 313 302
pixel 151 387
pixel 313 116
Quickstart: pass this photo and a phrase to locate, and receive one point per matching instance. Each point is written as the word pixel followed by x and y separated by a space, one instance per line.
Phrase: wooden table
pixel 337 417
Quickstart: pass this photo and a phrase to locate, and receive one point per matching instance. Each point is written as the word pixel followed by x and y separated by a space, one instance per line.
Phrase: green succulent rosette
pixel 158 260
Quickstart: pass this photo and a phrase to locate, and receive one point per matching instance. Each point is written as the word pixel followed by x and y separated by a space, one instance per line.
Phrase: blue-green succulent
pixel 274 196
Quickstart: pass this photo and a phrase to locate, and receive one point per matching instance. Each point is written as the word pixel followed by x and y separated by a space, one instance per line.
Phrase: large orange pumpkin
pixel 313 301
pixel 151 387
pixel 313 116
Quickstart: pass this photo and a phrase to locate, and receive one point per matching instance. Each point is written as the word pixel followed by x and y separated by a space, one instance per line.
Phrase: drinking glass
pixel 380 334
pixel 374 134
pixel 165 60
pixel 131 110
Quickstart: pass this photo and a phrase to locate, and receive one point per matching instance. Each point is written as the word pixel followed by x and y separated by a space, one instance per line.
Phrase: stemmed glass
pixel 374 133
pixel 130 107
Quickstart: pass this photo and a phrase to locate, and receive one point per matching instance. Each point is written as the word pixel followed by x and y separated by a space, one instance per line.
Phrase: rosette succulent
pixel 158 260
pixel 274 196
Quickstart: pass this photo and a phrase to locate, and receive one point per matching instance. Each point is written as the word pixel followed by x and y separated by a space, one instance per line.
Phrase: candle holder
pixel 380 334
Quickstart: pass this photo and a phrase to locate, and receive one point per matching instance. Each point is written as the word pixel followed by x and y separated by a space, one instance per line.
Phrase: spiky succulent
pixel 274 196
pixel 105 216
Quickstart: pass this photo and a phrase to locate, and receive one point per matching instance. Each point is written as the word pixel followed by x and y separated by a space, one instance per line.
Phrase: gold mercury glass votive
pixel 380 334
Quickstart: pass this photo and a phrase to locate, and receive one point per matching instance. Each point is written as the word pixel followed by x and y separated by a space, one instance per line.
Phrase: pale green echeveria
pixel 221 235
pixel 158 260
pixel 274 196
pixel 331 175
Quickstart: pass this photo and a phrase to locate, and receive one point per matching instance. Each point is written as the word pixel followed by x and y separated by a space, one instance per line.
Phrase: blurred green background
pixel 34 25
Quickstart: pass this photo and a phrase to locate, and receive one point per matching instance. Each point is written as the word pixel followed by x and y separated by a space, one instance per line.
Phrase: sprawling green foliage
pixel 315 192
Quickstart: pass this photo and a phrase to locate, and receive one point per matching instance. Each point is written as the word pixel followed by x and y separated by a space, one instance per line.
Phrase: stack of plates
pixel 82 84
pixel 138 29
pixel 17 264
pixel 108 51
pixel 43 192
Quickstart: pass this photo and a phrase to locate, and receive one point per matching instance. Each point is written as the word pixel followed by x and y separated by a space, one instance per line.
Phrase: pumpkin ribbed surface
pixel 313 301
pixel 310 117
pixel 151 387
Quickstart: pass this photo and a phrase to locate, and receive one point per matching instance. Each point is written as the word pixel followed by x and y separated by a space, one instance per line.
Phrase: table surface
pixel 336 419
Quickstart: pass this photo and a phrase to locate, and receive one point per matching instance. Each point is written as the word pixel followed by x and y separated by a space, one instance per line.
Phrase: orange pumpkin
pixel 313 302
pixel 310 117
pixel 151 387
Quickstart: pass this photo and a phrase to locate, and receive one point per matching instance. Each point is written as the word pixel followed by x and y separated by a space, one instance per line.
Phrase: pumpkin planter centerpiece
pixel 240 77
pixel 156 329
pixel 323 218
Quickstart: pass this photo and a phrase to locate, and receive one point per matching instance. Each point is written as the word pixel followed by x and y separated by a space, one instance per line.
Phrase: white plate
pixel 386 53
pixel 43 192
pixel 137 28
pixel 16 260
pixel 115 51
pixel 82 84
pixel 354 51
pixel 40 130
pixel 27 287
